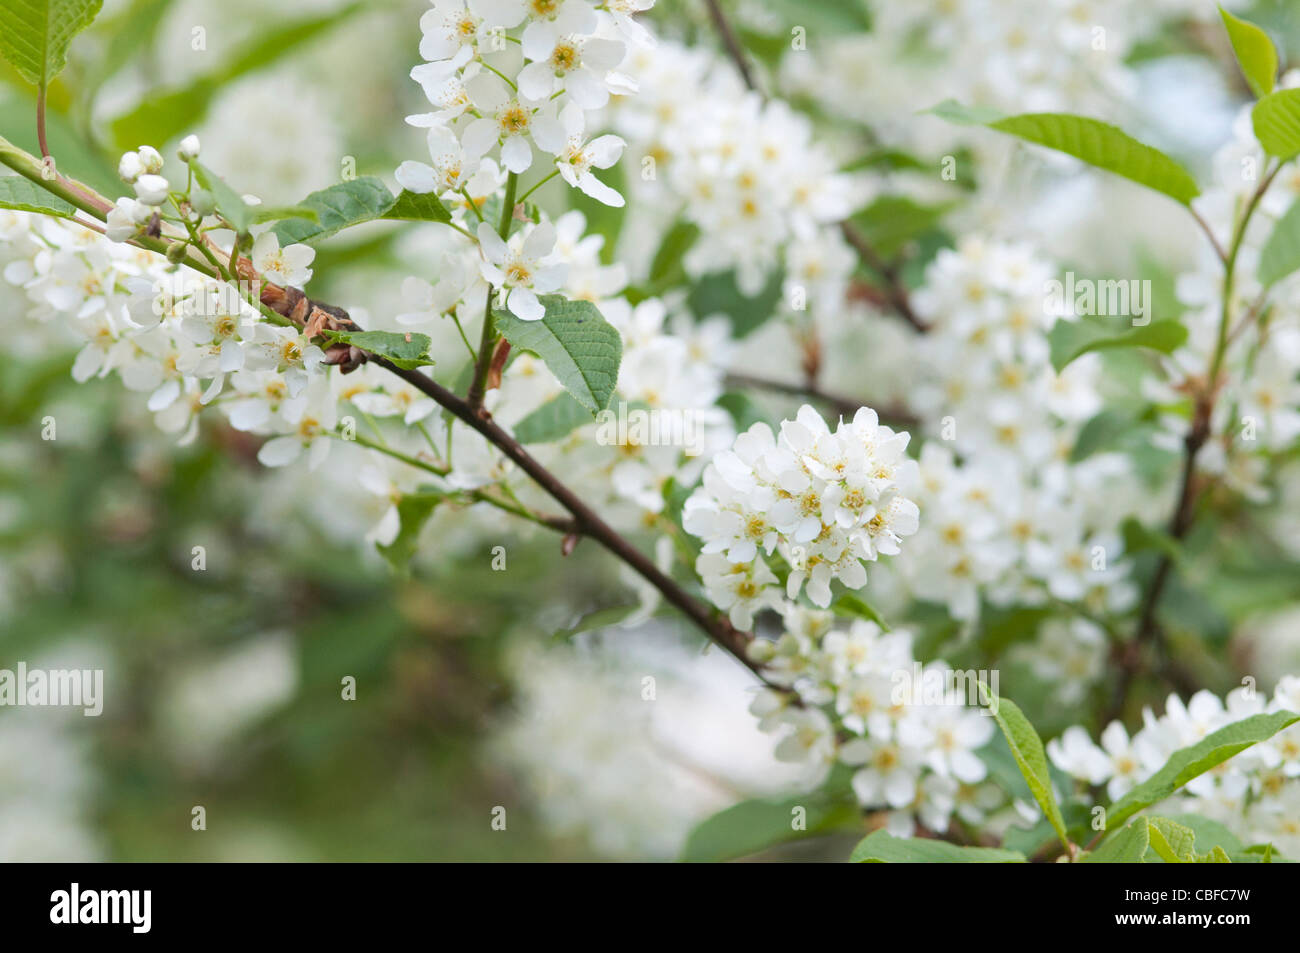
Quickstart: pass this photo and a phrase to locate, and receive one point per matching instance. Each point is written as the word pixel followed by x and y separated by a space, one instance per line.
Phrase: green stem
pixel 487 344
pixel 536 186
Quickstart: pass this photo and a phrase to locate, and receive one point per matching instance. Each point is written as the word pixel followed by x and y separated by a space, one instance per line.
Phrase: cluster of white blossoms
pixel 1257 416
pixel 823 500
pixel 1016 55
pixel 1255 794
pixel 748 173
pixel 1018 519
pixel 519 103
pixel 864 701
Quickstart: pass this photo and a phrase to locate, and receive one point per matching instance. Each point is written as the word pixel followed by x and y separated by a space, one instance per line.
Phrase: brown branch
pixel 895 291
pixel 292 304
pixel 843 405
pixel 588 522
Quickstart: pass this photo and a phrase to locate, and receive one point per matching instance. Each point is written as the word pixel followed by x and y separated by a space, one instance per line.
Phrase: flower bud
pixel 130 167
pixel 150 159
pixel 152 189
pixel 189 148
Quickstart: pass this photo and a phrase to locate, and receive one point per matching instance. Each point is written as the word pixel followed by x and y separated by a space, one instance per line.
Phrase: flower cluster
pixel 1255 794
pixel 1021 520
pixel 825 500
pixel 866 702
pixel 748 173
pixel 514 100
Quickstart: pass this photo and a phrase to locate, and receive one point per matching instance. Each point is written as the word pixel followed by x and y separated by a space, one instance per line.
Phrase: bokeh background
pixel 474 690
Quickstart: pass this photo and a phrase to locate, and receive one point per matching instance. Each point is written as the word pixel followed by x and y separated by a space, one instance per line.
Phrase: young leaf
pixel 720 294
pixel 667 269
pixel 855 607
pixel 407 350
pixel 555 419
pixel 410 207
pixel 1126 846
pixel 1172 841
pixel 413 511
pixel 1069 340
pixel 1281 253
pixel 1194 760
pixel 891 221
pixel 1027 749
pixel 337 207
pixel 575 341
pixel 882 847
pixel 263 213
pixel 35 34
pixel 1276 119
pixel 229 202
pixel 1095 142
pixel 751 826
pixel 18 193
pixel 1255 53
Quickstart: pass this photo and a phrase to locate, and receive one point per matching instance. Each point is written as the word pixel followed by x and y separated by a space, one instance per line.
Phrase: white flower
pixel 126 218
pixel 521 267
pixel 581 64
pixel 503 120
pixel 1076 755
pixel 284 266
pixel 889 773
pixel 152 189
pixel 189 149
pixel 449 172
pixel 575 158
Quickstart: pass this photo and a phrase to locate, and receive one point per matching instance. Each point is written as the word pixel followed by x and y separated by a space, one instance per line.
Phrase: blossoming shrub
pixel 626 247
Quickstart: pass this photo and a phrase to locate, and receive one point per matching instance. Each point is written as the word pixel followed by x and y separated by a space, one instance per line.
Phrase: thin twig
pixel 895 291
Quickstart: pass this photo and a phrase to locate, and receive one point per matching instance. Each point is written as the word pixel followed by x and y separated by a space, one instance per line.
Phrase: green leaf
pixel 18 193
pixel 413 511
pixel 1172 841
pixel 35 34
pixel 337 207
pixel 882 847
pixel 1070 340
pixel 1027 749
pixel 581 348
pixel 1255 53
pixel 751 826
pixel 1126 846
pixel 263 213
pixel 229 202
pixel 891 221
pixel 1276 119
pixel 855 607
pixel 1281 253
pixel 1209 833
pixel 410 207
pixel 555 419
pixel 171 113
pixel 1216 856
pixel 667 269
pixel 407 350
pixel 719 294
pixel 1095 142
pixel 1194 760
